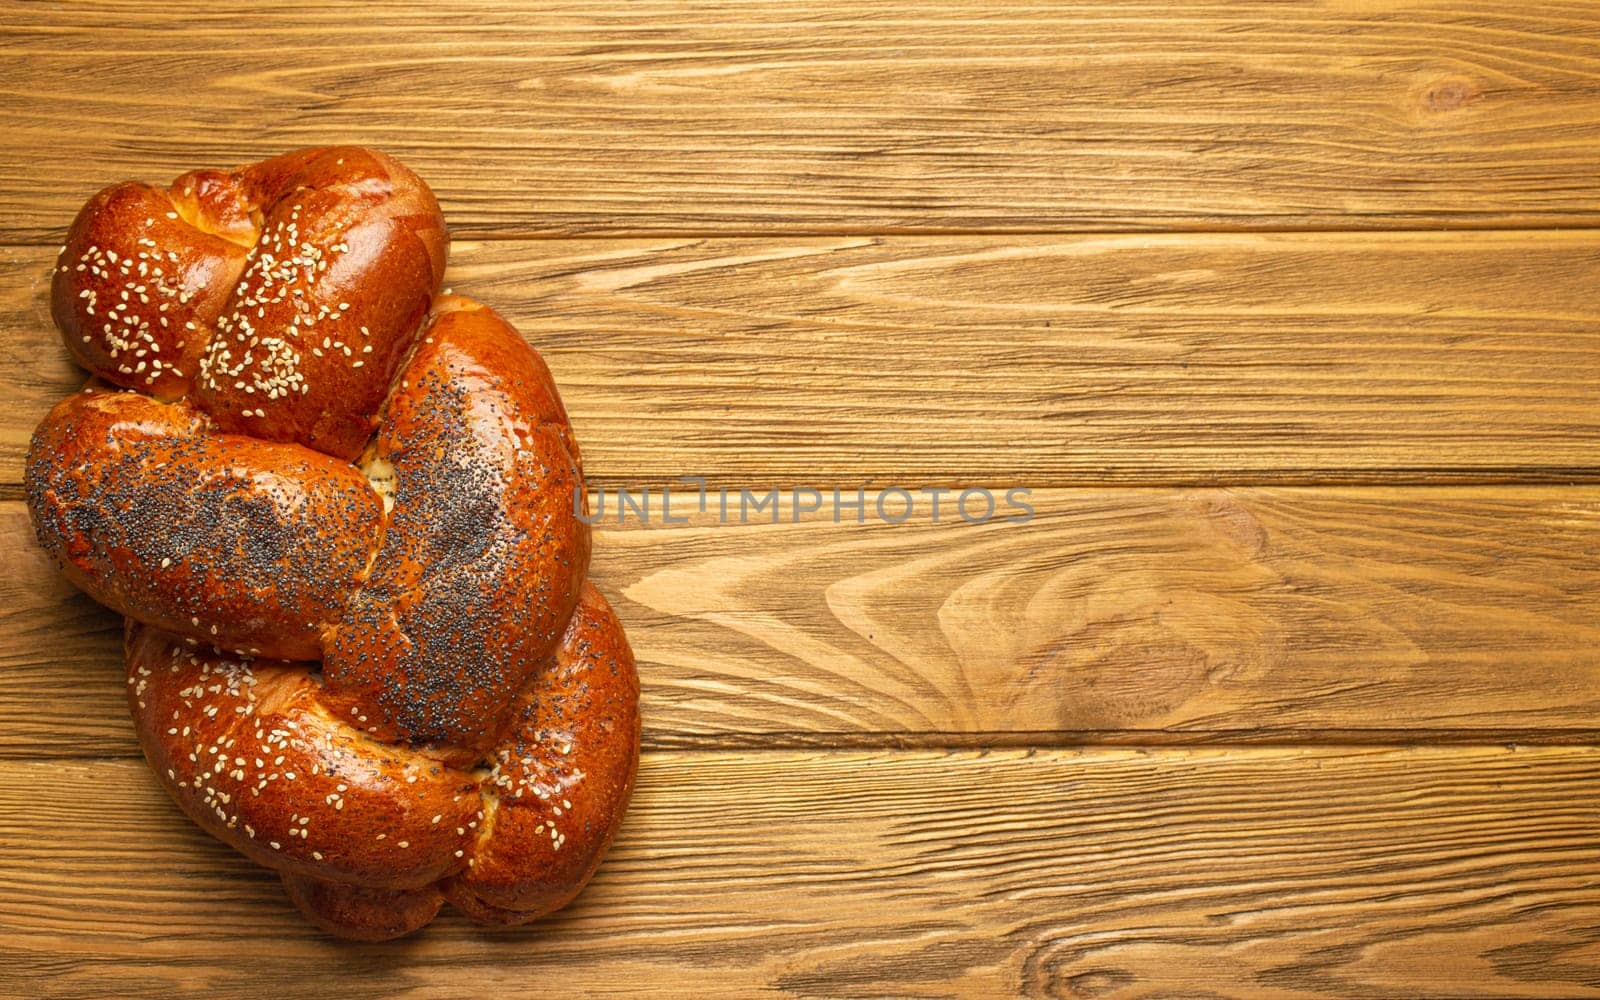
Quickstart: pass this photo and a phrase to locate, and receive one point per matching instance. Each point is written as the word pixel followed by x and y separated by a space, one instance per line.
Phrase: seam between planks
pixel 1379 479
pixel 622 236
pixel 1446 225
pixel 1154 741
pixel 1489 228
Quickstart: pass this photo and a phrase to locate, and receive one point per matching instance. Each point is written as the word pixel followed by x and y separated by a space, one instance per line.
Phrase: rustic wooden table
pixel 1285 312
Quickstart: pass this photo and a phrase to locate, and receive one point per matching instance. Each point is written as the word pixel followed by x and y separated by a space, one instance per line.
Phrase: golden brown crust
pixel 473 732
pixel 248 752
pixel 562 779
pixel 284 294
pixel 250 545
pixel 362 914
pixel 137 289
pixel 350 254
pixel 482 559
pixel 246 748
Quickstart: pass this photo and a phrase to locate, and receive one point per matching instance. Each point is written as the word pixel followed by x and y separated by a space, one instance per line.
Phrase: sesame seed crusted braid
pixel 336 509
pixel 282 295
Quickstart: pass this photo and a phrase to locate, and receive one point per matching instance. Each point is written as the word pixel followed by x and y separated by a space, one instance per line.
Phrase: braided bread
pixel 336 509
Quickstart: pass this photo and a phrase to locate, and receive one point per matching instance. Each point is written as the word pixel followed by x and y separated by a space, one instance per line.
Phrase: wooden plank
pixel 1156 615
pixel 568 118
pixel 1036 362
pixel 1112 873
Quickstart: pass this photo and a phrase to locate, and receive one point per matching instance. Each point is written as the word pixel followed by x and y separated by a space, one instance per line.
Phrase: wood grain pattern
pixel 1037 362
pixel 1163 615
pixel 564 118
pixel 1324 504
pixel 1106 874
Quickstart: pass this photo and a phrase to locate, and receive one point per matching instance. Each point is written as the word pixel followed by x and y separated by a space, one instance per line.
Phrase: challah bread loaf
pixel 338 511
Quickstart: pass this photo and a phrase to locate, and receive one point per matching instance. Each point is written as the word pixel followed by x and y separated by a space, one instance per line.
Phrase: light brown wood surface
pixel 665 116
pixel 1105 873
pixel 1025 361
pixel 1291 688
pixel 1157 616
